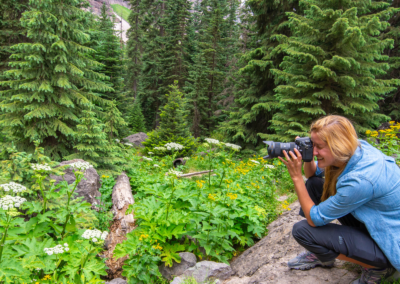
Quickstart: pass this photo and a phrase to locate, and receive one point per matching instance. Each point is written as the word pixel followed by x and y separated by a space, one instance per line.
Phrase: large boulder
pixel 266 261
pixel 88 187
pixel 136 139
pixel 188 260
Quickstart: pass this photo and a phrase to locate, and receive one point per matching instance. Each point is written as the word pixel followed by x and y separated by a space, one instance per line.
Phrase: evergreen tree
pixel 173 126
pixel 113 121
pixel 109 53
pixel 173 58
pixel 93 146
pixel 134 45
pixel 207 77
pixel 255 103
pixel 53 79
pixel 332 64
pixel 137 118
pixel 151 73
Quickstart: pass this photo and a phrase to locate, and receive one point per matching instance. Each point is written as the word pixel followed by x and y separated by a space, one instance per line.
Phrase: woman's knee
pixel 300 229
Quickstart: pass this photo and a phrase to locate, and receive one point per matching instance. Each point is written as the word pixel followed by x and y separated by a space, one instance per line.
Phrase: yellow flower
pixel 392 122
pixel 211 196
pixel 103 176
pixel 143 236
pixel 368 132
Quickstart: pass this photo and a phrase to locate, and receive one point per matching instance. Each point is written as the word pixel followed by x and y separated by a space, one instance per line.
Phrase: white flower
pixel 269 166
pixel 65 244
pixel 173 172
pixel 9 202
pixel 160 149
pixel 254 161
pixel 117 140
pixel 186 158
pixel 94 235
pixel 81 166
pixel 128 144
pixel 55 250
pixel 156 166
pixel 39 167
pixel 174 146
pixel 14 187
pixel 150 153
pixel 212 141
pixel 147 159
pixel 233 146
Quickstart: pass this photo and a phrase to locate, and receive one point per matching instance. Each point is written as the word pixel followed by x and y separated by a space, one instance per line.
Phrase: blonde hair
pixel 341 137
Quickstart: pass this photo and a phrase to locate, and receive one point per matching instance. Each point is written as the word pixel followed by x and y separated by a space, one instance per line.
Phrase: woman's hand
pixel 293 164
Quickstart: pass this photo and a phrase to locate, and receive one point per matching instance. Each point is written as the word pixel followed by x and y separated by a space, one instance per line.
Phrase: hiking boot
pixel 373 275
pixel 307 260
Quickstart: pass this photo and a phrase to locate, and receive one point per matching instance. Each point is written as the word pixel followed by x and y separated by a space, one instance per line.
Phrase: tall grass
pixel 121 11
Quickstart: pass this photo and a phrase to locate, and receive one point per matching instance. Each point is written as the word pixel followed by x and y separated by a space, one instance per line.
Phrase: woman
pixel 361 189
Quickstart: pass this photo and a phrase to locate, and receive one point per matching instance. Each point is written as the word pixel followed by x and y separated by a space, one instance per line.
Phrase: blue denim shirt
pixel 369 189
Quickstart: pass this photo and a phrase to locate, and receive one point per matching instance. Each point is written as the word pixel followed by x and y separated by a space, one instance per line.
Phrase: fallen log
pixel 194 174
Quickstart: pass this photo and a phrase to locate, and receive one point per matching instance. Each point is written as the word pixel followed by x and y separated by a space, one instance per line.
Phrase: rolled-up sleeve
pixel 351 193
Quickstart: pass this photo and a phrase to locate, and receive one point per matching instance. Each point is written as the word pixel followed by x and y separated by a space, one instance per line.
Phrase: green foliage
pixel 387 140
pixel 52 79
pixel 137 118
pixel 104 215
pixel 121 11
pixel 93 146
pixel 332 64
pixel 173 126
pixel 221 213
pixel 55 218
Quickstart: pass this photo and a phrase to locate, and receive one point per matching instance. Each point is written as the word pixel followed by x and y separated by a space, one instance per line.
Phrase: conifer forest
pixel 206 81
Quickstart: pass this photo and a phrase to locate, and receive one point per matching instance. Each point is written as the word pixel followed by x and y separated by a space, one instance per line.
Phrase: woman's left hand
pixel 293 164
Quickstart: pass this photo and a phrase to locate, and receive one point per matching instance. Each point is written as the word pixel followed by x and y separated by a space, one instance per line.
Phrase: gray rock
pixel 117 281
pixel 209 270
pixel 88 187
pixel 136 139
pixel 177 280
pixel 266 261
pixel 188 260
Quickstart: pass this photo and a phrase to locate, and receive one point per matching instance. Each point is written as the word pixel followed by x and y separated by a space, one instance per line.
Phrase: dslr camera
pixel 303 145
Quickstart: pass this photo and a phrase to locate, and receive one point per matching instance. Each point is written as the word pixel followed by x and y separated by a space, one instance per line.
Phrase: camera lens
pixel 275 149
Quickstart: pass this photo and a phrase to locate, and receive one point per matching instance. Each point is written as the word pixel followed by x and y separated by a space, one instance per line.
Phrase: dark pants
pixel 327 242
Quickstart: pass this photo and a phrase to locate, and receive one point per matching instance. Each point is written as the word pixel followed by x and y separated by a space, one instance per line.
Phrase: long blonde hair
pixel 341 137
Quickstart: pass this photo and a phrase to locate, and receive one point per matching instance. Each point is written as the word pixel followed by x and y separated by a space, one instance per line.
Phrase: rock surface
pixel 117 281
pixel 266 261
pixel 88 188
pixel 188 260
pixel 136 139
pixel 208 270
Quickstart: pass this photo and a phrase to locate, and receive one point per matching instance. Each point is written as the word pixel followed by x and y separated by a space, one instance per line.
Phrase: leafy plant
pixel 104 215
pixel 41 239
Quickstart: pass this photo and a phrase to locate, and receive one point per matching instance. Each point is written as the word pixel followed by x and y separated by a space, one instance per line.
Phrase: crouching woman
pixel 361 189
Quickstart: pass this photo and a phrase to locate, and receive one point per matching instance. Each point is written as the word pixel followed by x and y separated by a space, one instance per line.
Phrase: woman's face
pixel 322 152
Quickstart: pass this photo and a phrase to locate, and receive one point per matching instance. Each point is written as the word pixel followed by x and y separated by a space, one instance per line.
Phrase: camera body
pixel 303 145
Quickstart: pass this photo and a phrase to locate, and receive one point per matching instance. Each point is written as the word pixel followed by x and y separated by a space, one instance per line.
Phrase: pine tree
pixel 53 79
pixel 113 121
pixel 134 45
pixel 255 103
pixel 173 126
pixel 93 146
pixel 151 73
pixel 137 118
pixel 109 53
pixel 11 32
pixel 332 64
pixel 208 73
pixel 173 58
